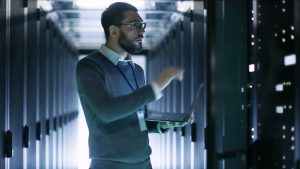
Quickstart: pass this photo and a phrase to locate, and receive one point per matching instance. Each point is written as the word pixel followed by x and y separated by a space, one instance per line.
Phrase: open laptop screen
pixel 174 117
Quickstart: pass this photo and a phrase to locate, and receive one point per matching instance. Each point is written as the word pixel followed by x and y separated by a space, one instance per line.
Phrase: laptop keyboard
pixel 174 117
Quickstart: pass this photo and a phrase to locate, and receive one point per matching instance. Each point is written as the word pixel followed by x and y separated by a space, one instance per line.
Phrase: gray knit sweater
pixel 110 106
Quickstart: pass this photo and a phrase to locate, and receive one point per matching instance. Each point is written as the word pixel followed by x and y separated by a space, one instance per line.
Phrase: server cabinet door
pixel 51 72
pixel 174 99
pixel 16 81
pixel 227 61
pixel 2 77
pixel 297 76
pixel 32 81
pixel 274 109
pixel 187 84
pixel 198 60
pixel 55 72
pixel 43 64
pixel 179 90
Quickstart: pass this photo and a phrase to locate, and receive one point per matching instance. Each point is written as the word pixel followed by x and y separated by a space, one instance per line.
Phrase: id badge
pixel 142 122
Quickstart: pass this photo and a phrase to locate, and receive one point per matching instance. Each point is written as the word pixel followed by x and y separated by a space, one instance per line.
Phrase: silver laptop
pixel 174 117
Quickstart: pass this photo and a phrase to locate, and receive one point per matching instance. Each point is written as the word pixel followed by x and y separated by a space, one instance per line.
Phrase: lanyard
pixel 128 82
pixel 140 113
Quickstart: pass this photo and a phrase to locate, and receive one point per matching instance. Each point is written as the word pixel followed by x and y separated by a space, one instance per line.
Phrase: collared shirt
pixel 115 58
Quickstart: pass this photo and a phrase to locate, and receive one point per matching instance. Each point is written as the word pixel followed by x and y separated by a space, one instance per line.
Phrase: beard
pixel 129 45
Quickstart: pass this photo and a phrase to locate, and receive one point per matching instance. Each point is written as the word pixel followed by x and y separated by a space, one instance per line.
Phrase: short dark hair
pixel 114 15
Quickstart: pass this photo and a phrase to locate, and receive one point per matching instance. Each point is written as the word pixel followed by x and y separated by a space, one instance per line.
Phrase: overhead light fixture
pixel 98 4
pixel 184 6
pixel 45 5
pixel 152 3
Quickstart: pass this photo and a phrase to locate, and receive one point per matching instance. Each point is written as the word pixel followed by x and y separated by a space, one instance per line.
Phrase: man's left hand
pixel 167 125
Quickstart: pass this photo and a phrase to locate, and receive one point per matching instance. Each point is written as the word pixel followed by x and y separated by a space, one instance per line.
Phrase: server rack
pixel 38 97
pixel 169 108
pixel 176 136
pixel 199 75
pixel 183 46
pixel 297 80
pixel 179 93
pixel 273 52
pixel 32 77
pixel 42 88
pixel 48 107
pixel 55 98
pixel 226 132
pixel 187 84
pixel 16 83
pixel 2 78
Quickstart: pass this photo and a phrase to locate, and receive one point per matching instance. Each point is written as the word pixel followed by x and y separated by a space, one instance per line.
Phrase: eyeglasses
pixel 136 25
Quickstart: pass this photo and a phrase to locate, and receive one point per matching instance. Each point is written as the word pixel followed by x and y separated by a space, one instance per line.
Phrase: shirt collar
pixel 113 56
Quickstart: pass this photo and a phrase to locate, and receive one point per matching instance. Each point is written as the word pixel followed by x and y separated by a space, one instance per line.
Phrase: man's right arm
pixel 92 88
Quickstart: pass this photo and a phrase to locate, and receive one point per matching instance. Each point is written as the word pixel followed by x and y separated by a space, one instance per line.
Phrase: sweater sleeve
pixel 93 90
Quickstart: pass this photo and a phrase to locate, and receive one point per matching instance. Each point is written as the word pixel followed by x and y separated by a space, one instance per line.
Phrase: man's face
pixel 131 32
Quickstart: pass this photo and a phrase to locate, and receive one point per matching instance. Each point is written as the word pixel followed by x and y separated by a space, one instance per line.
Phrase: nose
pixel 142 27
pixel 142 30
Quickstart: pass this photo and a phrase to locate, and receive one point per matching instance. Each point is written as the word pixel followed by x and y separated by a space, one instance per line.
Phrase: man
pixel 112 92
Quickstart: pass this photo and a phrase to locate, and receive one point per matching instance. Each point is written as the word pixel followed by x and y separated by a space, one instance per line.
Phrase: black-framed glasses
pixel 136 25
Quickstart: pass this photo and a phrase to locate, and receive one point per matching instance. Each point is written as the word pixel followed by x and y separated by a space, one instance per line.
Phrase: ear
pixel 114 31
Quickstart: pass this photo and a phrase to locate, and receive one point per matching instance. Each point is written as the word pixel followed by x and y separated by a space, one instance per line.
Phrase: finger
pixel 190 119
pixel 167 124
pixel 180 77
pixel 164 125
pixel 180 124
pixel 173 124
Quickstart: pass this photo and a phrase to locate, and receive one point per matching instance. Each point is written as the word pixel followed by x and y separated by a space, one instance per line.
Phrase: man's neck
pixel 117 49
